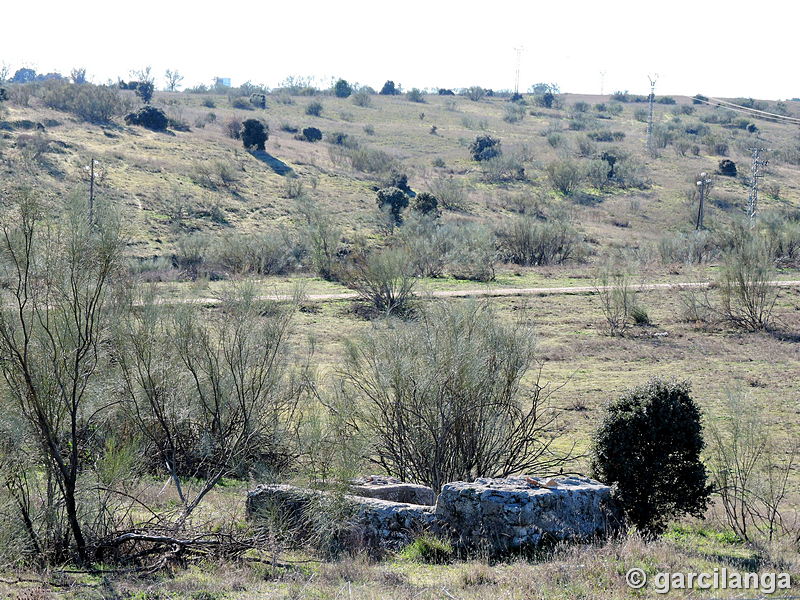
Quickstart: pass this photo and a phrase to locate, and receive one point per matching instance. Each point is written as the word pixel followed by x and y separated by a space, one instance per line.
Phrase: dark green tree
pixel 649 446
pixel 254 134
pixel 427 204
pixel 145 89
pixel 389 89
pixel 342 89
pixel 395 200
pixel 312 134
pixel 485 147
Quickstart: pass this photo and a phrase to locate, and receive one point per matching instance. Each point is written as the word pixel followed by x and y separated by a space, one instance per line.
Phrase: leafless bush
pixel 384 280
pixel 443 400
pixel 751 466
pixel 746 294
pixel 529 241
pixel 617 297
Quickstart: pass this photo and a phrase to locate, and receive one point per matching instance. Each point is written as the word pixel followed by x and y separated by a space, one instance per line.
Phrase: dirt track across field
pixel 484 292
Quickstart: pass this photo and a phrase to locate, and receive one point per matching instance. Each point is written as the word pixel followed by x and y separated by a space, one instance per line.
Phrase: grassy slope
pixel 154 174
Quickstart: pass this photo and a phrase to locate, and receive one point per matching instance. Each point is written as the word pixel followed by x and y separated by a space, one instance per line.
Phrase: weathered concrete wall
pixel 518 512
pixel 495 515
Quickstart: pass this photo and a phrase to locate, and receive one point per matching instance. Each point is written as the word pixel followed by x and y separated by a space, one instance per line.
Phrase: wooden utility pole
pixel 755 174
pixel 703 185
pixel 602 83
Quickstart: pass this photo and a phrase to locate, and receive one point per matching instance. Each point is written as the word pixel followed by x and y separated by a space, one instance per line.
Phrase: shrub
pixel 475 93
pixel 446 92
pixel 450 192
pixel 727 167
pixel 323 235
pixel 233 127
pixel 513 112
pixel 209 103
pixel 426 203
pixel 746 294
pixel 362 159
pixel 485 147
pixel 254 134
pixel 265 253
pixel 415 95
pixel 473 251
pixel 362 99
pixel 443 397
pixel 666 100
pixel 426 243
pixel 342 89
pixel 531 242
pixel 695 247
pixel 240 103
pixel 607 136
pixel 394 200
pixel 555 139
pixel 397 179
pixel 384 280
pixel 340 138
pixel 92 103
pixel 389 89
pixel 149 117
pixel 503 168
pixel 429 549
pixel 640 316
pixel 583 107
pixel 314 108
pixel 565 176
pixel 649 446
pixel 617 299
pixel 145 89
pixel 751 460
pixel 311 134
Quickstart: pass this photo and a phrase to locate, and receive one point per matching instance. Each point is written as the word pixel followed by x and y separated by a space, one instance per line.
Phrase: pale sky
pixel 722 48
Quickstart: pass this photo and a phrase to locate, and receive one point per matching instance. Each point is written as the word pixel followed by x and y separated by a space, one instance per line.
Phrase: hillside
pixel 177 182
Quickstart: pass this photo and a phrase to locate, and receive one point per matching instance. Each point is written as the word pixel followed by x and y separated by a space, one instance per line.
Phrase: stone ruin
pixel 492 515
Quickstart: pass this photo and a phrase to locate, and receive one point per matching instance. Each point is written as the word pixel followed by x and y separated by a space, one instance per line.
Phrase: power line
pixel 748 111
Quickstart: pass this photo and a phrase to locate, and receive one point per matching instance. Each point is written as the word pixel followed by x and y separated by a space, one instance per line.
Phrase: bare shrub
pixel 384 280
pixel 323 236
pixel 617 297
pixel 211 394
pixel 746 295
pixel 473 251
pixel 751 465
pixel 449 191
pixel 443 401
pixel 529 241
pixel 565 176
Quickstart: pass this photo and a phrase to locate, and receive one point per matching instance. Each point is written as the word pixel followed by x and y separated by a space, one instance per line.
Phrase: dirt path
pixel 482 292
